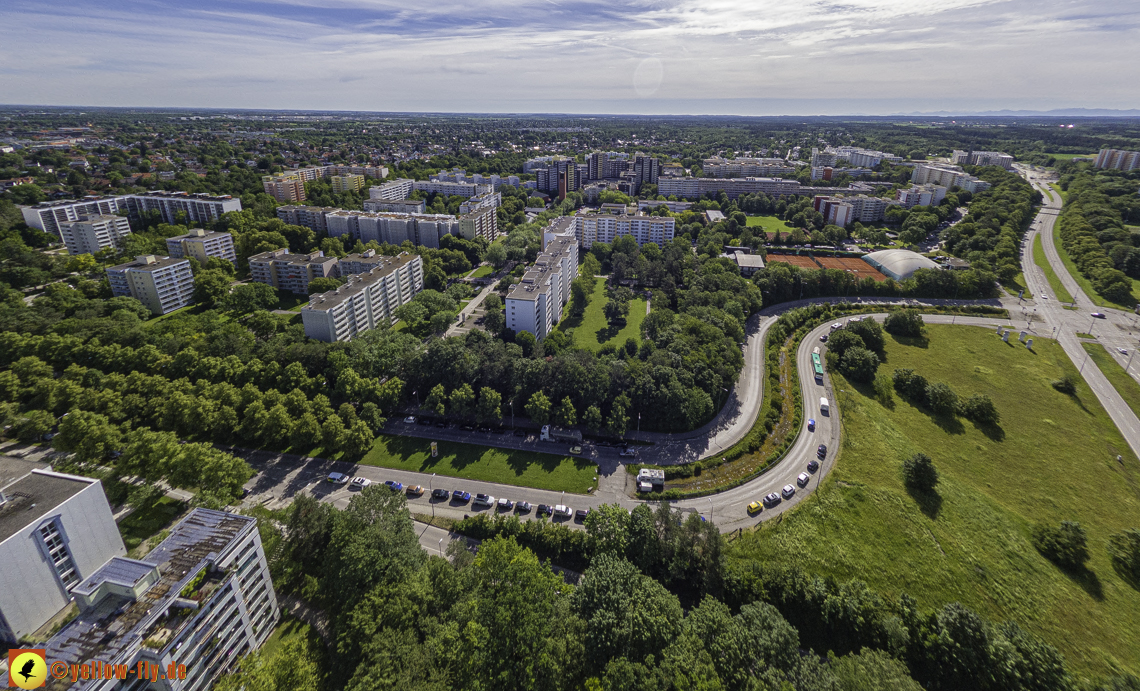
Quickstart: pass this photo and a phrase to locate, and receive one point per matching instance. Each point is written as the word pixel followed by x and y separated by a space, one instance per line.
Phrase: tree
pixel 490 407
pixel 307 433
pixel 332 433
pixel 565 414
pixel 462 402
pixel 263 324
pixel 904 323
pixel 496 254
pixel 842 339
pixel 1066 546
pixel 1124 550
pixel 82 264
pixel 608 528
pixel 616 312
pixel 210 287
pixel 538 408
pixel 859 364
pixel 910 384
pixel 919 473
pixel 526 341
pixel 871 333
pixel 436 400
pixel 358 439
pixel 618 421
pixel 441 322
pixel 581 290
pixel 291 668
pixel 592 418
pixel 90 436
pixel 33 425
pixel 324 284
pixel 278 425
pixel 980 408
pixel 871 669
pixel 251 297
pixel 941 398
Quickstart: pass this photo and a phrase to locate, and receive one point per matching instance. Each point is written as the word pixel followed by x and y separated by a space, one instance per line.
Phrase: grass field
pixel 481 271
pixel 289 628
pixel 1124 384
pixel 1050 275
pixel 771 223
pixel 1060 193
pixel 1016 285
pixel 522 468
pixel 1052 459
pixel 1069 157
pixel 592 331
pixel 148 519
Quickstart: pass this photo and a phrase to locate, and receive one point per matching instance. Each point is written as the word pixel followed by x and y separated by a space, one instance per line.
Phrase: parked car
pixel 575 450
pixel 359 483
pixel 563 511
pixel 580 514
pixel 821 451
pixel 803 479
pixel 813 466
pixel 394 486
pixel 542 510
pixel 788 492
pixel 411 420
pixel 628 452
pixel 442 424
pixel 520 432
pixel 506 504
pixel 461 496
pixel 483 500
pixel 440 493
pixel 415 491
pixel 755 508
pixel 522 506
pixel 337 478
pixel 771 498
pixel 1098 315
pixel 811 424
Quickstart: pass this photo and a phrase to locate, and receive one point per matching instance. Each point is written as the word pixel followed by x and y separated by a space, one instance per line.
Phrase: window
pixel 59 554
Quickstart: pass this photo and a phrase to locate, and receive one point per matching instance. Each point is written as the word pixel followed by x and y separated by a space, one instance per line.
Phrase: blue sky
pixel 749 57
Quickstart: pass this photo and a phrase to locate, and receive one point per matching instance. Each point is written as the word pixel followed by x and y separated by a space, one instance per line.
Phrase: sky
pixel 731 57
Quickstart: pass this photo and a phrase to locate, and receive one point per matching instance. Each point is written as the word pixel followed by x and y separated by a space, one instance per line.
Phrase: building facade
pixel 367 300
pixel 92 234
pixel 693 188
pixel 202 599
pixel 398 206
pixel 947 176
pixel 451 189
pixel 1118 159
pixel 286 187
pixel 55 531
pixel 920 195
pixel 307 216
pixel 483 223
pixel 535 303
pixel 163 284
pixel 606 228
pixel 47 216
pixel 347 183
pixel 292 272
pixel 400 188
pixel 393 228
pixel 202 244
pixel 717 167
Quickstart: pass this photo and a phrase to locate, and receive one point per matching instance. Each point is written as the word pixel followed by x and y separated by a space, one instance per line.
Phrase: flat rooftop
pixel 358 283
pixel 140 264
pixel 34 496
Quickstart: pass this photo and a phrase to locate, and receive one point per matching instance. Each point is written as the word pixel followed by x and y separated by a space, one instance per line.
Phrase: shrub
pixel 1066 546
pixel 1124 549
pixel 980 408
pixel 919 473
pixel 941 398
pixel 904 323
pixel 1066 385
pixel 859 364
pixel 911 385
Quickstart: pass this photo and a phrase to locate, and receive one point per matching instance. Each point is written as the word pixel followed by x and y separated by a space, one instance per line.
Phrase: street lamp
pixel 441 547
pixel 710 509
pixel 431 499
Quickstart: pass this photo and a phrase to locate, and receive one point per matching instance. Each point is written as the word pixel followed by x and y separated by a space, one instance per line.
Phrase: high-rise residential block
pixel 366 301
pixel 91 234
pixel 482 223
pixel 163 284
pixel 286 187
pixel 397 206
pixel 394 228
pixel 202 244
pixel 608 227
pixel 693 188
pixel 946 176
pixel 55 531
pixel 400 188
pixel 347 183
pixel 182 208
pixel 535 303
pixel 292 272
pixel 451 189
pixel 717 167
pixel 1118 159
pixel 308 216
pixel 920 195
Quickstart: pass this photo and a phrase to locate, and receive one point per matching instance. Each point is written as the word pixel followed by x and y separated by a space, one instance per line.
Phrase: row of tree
pixel 1093 230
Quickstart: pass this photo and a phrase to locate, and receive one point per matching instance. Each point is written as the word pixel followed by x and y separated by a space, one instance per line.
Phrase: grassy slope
pixel 1050 275
pixel 592 331
pixel 522 468
pixel 1124 384
pixel 1055 462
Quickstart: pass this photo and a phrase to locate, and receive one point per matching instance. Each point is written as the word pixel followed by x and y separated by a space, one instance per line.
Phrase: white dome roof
pixel 899 264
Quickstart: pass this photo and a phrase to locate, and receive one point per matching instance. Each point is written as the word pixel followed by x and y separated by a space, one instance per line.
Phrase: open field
pixel 1050 275
pixel 1053 458
pixel 1124 384
pixel 522 468
pixel 1069 157
pixel 592 331
pixel 771 223
pixel 481 271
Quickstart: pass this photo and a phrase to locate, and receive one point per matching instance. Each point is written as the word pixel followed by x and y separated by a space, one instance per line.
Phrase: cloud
pixel 501 56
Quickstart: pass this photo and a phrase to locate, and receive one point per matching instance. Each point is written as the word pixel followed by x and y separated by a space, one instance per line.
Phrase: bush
pixel 1124 549
pixel 941 398
pixel 904 323
pixel 869 330
pixel 910 385
pixel 980 408
pixel 859 364
pixel 1066 546
pixel 919 473
pixel 1066 385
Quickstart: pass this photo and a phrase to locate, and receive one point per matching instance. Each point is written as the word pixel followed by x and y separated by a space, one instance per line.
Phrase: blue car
pixel 394 486
pixel 461 496
pixel 811 424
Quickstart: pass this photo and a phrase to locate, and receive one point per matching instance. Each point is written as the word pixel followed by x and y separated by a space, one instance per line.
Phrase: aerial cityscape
pixel 353 346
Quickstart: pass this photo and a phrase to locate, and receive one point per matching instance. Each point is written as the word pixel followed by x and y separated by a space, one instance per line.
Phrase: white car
pixel 359 483
pixel 1044 296
pixel 563 511
pixel 803 479
pixel 788 492
pixel 411 420
pixel 337 478
pixel 483 500
pixel 1122 351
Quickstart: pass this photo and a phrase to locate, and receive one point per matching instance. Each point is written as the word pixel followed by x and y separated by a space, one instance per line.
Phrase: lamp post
pixel 710 509
pixel 431 499
pixel 441 547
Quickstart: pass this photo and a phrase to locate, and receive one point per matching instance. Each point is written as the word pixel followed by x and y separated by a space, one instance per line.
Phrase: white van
pixel 823 407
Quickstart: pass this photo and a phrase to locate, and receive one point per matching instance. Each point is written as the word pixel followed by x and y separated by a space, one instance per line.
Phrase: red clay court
pixel 860 268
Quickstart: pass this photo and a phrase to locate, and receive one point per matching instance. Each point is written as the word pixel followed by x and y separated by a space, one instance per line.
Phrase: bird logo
pixel 27 668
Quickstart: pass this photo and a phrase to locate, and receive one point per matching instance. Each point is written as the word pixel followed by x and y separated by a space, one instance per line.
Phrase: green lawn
pixel 484 270
pixel 1124 384
pixel 291 301
pixel 1060 193
pixel 592 331
pixel 148 519
pixel 1053 459
pixel 522 468
pixel 1050 275
pixel 1015 285
pixel 771 224
pixel 1069 157
pixel 289 628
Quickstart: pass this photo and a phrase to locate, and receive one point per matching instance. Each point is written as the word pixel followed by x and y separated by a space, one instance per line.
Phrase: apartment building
pixel 367 300
pixel 91 234
pixel 982 158
pixel 286 187
pixel 451 189
pixel 398 206
pixel 394 228
pixel 558 176
pixel 307 216
pixel 200 601
pixel 492 200
pixel 202 244
pixel 693 188
pixel 606 228
pixel 673 207
pixel 828 173
pixel 718 167
pixel 1118 159
pixel 597 166
pixel 646 169
pixel 163 284
pixel 47 216
pixel 347 183
pixel 947 176
pixel 483 223
pixel 921 195
pixel 862 158
pixel 292 272
pixel 400 188
pixel 180 207
pixel 360 263
pixel 842 211
pixel 373 172
pixel 535 303
pixel 55 531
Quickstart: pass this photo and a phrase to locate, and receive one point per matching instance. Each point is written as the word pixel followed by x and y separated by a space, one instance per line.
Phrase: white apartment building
pixel 451 189
pixel 1118 159
pixel 347 183
pixel 718 167
pixel 397 206
pixel 202 244
pixel 286 187
pixel 401 188
pixel 921 195
pixel 292 272
pixel 55 531
pixel 307 216
pixel 535 303
pixel 48 215
pixel 493 200
pixel 367 300
pixel 607 228
pixel 202 599
pixel 163 284
pixel 692 188
pixel 175 207
pixel 394 228
pixel 843 211
pixel 982 158
pixel 94 233
pixel 862 158
pixel 947 176
pixel 674 207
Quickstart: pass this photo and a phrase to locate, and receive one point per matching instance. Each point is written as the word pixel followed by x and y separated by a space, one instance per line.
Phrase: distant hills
pixel 1056 113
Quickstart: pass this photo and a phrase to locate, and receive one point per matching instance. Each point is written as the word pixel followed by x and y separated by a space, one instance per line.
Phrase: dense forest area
pixel 1100 207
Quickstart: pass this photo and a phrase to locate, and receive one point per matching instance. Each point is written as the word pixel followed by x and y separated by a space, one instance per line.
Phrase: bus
pixel 817 366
